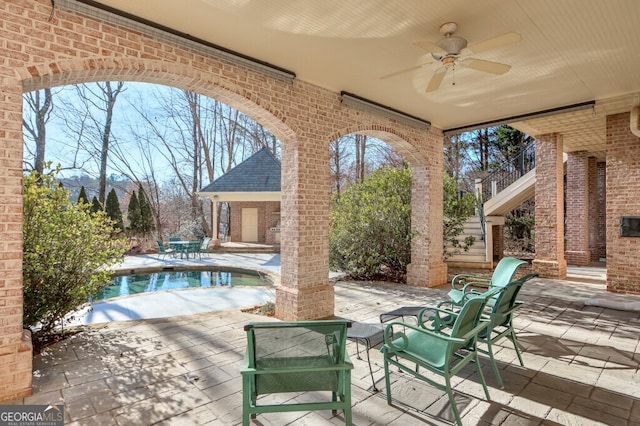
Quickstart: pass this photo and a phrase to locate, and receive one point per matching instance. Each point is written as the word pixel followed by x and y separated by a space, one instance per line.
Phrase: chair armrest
pixel 470 285
pixel 482 324
pixel 460 280
pixel 390 336
pixel 444 317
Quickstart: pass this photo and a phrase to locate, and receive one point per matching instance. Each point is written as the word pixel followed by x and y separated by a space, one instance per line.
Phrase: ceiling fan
pixel 452 51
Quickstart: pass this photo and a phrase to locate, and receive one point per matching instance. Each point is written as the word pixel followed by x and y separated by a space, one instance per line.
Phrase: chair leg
pixel 514 339
pixel 494 365
pixel 484 383
pixel 246 400
pixel 452 400
pixel 387 381
pixel 347 398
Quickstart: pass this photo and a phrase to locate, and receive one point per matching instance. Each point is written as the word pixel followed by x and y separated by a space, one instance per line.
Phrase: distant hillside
pixel 74 183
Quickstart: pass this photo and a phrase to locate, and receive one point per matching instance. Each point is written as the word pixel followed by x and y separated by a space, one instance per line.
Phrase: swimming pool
pixel 138 283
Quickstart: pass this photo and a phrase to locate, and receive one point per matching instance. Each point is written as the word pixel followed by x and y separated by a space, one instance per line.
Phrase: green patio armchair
pixel 502 275
pixel 437 349
pixel 461 284
pixel 499 312
pixel 302 356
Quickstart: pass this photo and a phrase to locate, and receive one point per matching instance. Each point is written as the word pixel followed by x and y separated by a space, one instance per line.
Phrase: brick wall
pixel 623 187
pixel 72 48
pixel 268 216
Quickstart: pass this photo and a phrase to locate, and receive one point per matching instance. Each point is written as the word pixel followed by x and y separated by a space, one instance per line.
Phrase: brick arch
pixel 85 70
pixel 392 136
pixel 427 267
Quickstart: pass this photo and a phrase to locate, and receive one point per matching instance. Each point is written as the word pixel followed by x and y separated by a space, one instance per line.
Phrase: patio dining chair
pixel 436 349
pixel 204 246
pixel 193 248
pixel 163 251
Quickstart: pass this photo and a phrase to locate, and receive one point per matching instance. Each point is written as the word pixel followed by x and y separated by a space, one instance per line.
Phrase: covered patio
pixel 311 73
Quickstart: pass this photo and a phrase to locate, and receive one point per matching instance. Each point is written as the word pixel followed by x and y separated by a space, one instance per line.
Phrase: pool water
pixel 127 285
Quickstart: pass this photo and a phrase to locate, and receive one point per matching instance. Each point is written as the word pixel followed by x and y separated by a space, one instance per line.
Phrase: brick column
pixel 623 186
pixel 427 267
pixel 305 292
pixel 15 344
pixel 593 209
pixel 602 210
pixel 549 261
pixel 577 235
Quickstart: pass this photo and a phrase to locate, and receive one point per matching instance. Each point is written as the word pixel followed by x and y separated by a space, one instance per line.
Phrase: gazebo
pixel 252 189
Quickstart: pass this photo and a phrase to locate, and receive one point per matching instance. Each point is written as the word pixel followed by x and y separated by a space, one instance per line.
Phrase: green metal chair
pixel 163 251
pixel 302 356
pixel 437 349
pixel 193 248
pixel 502 275
pixel 204 246
pixel 462 283
pixel 499 312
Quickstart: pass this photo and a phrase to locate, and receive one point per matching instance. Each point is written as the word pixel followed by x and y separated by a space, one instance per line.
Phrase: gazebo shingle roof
pixel 258 173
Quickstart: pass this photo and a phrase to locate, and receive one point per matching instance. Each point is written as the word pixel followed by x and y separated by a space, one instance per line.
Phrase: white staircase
pixel 480 254
pixel 504 190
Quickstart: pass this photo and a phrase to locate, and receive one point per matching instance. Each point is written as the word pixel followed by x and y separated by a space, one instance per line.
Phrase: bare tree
pixel 338 157
pixel 89 117
pixel 40 103
pixel 360 151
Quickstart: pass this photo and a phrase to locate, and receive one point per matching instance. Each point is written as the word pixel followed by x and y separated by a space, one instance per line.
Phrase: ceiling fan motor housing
pixel 452 44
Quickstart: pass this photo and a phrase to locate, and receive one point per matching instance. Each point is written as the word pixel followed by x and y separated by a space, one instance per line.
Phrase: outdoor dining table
pixel 181 246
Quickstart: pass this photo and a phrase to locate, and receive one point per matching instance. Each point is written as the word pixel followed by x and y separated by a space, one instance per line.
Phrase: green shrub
pixel 67 253
pixel 371 226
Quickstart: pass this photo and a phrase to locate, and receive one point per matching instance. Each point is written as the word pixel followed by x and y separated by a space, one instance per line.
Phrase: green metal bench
pixel 301 356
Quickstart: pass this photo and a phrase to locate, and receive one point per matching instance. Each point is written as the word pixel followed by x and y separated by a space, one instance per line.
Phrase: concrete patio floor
pixel 581 365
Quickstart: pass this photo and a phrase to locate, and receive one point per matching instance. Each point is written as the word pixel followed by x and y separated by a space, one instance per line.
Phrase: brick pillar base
pixel 550 268
pixel 578 258
pixel 294 304
pixel 16 379
pixel 420 276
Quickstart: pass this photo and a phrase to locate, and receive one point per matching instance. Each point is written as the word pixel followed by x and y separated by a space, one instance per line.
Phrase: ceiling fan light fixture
pixel 452 44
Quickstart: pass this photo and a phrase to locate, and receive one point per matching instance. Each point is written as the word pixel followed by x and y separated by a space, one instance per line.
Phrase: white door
pixel 250 225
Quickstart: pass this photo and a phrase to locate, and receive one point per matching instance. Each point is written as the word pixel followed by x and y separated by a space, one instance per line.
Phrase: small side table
pixel 404 311
pixel 370 334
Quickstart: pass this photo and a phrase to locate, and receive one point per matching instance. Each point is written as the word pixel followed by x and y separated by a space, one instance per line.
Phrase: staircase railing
pixel 509 172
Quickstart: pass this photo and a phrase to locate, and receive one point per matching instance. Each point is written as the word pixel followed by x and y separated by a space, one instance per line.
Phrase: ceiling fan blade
pixel 429 47
pixel 436 80
pixel 485 66
pixel 402 71
pixel 495 42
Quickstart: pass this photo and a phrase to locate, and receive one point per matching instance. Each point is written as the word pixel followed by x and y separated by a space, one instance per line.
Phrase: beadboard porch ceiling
pixel 571 52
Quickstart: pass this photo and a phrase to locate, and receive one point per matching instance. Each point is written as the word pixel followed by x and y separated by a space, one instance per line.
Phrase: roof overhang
pixel 242 196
